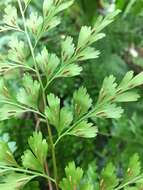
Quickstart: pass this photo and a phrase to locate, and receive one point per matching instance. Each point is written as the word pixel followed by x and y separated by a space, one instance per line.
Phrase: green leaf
pixel 92 174
pixel 89 35
pixel 38 146
pixel 48 63
pixel 108 178
pixel 101 22
pixel 70 70
pixel 18 51
pixel 15 181
pixel 88 53
pixel 47 5
pixel 59 118
pixel 6 156
pixel 55 21
pixel 68 48
pixel 7 111
pixel 82 102
pixel 73 177
pixel 127 97
pixel 84 36
pixel 95 37
pixel 66 118
pixel 35 158
pixel 137 80
pixel 50 5
pixel 126 80
pixel 10 17
pixel 87 187
pixel 64 5
pixel 53 110
pixel 111 93
pixel 108 90
pixel 134 168
pixel 30 93
pixel 5 66
pixel 34 23
pixel 3 90
pixel 84 129
pixel 29 161
pixel 129 81
pixel 108 111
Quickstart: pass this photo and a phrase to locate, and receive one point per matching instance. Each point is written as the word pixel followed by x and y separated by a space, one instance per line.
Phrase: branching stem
pixel 43 92
pixel 28 172
pixel 129 182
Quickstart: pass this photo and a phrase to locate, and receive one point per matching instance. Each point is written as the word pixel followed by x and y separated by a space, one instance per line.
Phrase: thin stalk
pixel 54 77
pixel 43 92
pixel 86 116
pixel 30 43
pixel 53 155
pixel 57 74
pixel 14 66
pixel 27 5
pixel 129 182
pixel 22 66
pixel 52 144
pixel 47 172
pixel 22 107
pixel 28 172
pixel 8 28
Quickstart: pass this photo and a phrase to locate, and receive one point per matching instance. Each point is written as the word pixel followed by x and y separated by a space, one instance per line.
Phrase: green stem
pixel 22 66
pixel 30 43
pixel 43 93
pixel 86 116
pixel 28 172
pixel 22 107
pixel 53 155
pixel 52 144
pixel 27 5
pixel 57 74
pixel 129 182
pixel 8 28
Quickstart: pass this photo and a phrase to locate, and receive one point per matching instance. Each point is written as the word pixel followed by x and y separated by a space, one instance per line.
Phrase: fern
pixel 37 69
pixel 108 179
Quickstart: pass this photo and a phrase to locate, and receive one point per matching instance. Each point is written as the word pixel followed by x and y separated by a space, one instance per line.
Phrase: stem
pixel 29 42
pixel 72 60
pixel 54 77
pixel 129 182
pixel 27 5
pixel 43 93
pixel 22 66
pixel 47 171
pixel 86 116
pixel 52 144
pixel 53 155
pixel 14 66
pixel 28 172
pixel 22 107
pixel 8 28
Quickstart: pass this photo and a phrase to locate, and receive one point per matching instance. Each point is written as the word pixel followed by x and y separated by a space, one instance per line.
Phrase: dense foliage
pixel 71 95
